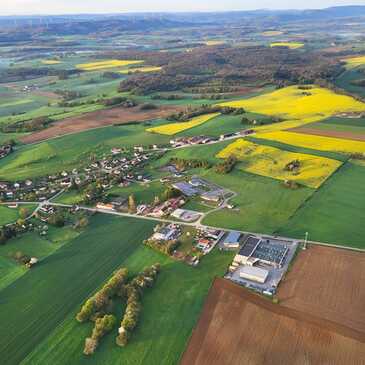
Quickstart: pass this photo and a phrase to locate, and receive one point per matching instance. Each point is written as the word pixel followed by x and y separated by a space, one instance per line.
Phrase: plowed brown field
pixel 328 283
pixel 328 133
pixel 97 119
pixel 238 327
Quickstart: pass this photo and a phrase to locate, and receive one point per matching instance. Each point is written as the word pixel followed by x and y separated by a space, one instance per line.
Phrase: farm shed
pixel 254 273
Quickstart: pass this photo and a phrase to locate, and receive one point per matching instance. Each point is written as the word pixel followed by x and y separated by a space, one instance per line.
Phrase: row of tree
pixel 166 247
pixel 32 125
pixel 98 308
pixel 98 304
pixel 226 166
pixel 183 164
pixel 134 291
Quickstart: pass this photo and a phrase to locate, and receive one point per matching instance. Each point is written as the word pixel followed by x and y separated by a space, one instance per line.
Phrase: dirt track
pixel 238 327
pixel 97 119
pixel 328 133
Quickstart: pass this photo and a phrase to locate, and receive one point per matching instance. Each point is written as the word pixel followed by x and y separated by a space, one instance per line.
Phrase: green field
pixel 72 150
pixel 58 286
pixel 345 79
pixel 335 213
pixel 10 215
pixel 342 122
pixel 351 125
pixel 143 193
pixel 31 244
pixel 264 204
pixel 62 281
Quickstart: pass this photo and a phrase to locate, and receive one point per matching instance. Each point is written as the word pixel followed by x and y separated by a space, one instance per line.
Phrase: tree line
pixel 98 308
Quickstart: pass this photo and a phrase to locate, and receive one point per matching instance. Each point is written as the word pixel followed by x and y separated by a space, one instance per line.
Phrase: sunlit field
pixel 272 162
pixel 101 65
pixel 272 33
pixel 51 62
pixel 354 61
pixel 140 69
pixel 291 45
pixel 298 106
pixel 174 128
pixel 214 43
pixel 315 142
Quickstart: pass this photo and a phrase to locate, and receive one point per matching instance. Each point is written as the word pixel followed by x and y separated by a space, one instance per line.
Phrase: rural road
pixel 193 224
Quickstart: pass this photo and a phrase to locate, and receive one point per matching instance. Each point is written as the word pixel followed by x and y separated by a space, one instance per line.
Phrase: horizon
pixel 67 7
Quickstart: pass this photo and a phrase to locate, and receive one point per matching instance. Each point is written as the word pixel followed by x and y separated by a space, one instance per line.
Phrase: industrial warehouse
pixel 261 263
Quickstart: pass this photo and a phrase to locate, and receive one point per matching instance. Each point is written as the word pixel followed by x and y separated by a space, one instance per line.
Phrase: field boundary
pixel 220 285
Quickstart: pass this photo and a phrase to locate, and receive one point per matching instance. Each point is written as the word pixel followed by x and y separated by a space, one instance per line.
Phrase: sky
pixel 26 7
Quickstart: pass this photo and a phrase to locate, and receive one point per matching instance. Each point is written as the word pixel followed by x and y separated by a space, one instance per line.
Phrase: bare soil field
pixel 100 118
pixel 329 133
pixel 238 327
pixel 328 283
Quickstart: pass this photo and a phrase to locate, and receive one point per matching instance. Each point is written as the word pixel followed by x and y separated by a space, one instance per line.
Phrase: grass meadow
pixel 335 213
pixel 262 204
pixel 69 151
pixel 62 281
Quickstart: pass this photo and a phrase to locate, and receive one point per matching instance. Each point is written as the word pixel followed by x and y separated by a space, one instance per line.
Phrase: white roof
pixel 254 271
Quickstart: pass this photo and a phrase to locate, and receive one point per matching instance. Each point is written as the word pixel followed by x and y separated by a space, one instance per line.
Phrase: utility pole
pixel 305 241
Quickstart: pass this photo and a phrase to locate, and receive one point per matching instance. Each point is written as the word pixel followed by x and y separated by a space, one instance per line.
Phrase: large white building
pixel 254 274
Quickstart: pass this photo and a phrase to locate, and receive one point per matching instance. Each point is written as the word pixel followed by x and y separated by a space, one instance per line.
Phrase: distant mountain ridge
pixel 88 23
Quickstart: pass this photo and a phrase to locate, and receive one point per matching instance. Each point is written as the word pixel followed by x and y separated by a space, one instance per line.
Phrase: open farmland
pixel 317 142
pixel 355 134
pixel 238 327
pixel 50 331
pixel 98 119
pixel 291 45
pixel 298 106
pixel 355 61
pixel 72 273
pixel 51 62
pixel 328 283
pixel 72 150
pixel 273 162
pixel 335 213
pixel 261 204
pixel 140 69
pixel 103 65
pixel 174 128
pixel 8 215
pixel 271 33
pixel 34 245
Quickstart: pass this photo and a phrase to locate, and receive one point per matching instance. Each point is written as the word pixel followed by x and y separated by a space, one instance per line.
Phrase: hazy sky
pixel 108 6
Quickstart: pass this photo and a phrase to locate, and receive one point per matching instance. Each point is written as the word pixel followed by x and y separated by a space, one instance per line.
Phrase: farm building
pixel 212 196
pixel 232 240
pixel 254 274
pixel 257 250
pixel 186 188
pixel 185 215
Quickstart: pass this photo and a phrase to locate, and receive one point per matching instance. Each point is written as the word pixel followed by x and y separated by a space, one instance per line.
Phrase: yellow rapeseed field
pixel 272 33
pixel 298 106
pixel 315 142
pixel 271 162
pixel 101 65
pixel 51 62
pixel 214 43
pixel 173 128
pixel 291 45
pixel 354 61
pixel 140 69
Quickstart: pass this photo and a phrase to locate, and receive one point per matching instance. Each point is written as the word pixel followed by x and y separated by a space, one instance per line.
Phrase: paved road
pixel 193 224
